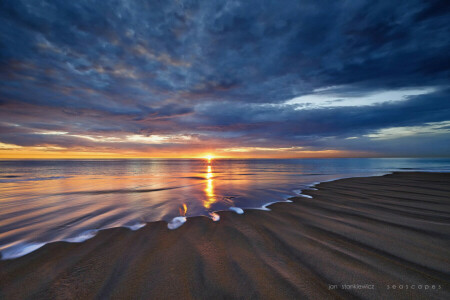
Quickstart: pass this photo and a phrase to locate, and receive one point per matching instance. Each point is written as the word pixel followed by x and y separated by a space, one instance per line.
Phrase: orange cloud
pixel 9 151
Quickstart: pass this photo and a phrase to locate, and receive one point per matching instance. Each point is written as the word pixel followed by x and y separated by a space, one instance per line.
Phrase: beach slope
pixel 384 237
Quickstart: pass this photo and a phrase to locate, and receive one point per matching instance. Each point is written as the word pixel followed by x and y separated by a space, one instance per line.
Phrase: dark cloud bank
pixel 223 72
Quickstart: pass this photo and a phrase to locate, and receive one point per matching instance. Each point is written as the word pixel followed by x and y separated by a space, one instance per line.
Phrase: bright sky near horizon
pixel 180 79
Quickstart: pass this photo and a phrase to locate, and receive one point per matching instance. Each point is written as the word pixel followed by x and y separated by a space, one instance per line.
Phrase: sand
pixel 389 234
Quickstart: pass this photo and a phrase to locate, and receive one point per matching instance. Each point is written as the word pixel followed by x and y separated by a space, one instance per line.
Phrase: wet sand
pixel 378 232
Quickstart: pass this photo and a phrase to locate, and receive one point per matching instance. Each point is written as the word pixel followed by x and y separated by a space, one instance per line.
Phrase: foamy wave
pixel 305 196
pixel 215 217
pixel 23 248
pixel 176 222
pixel 135 226
pixel 237 210
pixel 82 237
pixel 264 207
pixel 20 249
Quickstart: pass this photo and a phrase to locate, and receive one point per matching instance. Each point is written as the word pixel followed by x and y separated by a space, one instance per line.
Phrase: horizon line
pixel 215 158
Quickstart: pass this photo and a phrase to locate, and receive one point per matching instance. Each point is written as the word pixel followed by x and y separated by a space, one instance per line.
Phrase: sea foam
pixel 136 226
pixel 20 249
pixel 305 196
pixel 176 222
pixel 237 210
pixel 82 237
pixel 215 217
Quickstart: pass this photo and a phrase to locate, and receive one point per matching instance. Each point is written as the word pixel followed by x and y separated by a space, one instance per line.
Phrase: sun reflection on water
pixel 183 210
pixel 209 190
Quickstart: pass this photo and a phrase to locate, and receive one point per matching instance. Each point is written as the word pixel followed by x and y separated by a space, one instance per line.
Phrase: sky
pixel 250 78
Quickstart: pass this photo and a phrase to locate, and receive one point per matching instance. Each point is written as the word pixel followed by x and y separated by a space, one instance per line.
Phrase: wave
pixel 20 178
pixel 22 248
pixel 19 250
pixel 237 210
pixel 176 222
pixel 118 191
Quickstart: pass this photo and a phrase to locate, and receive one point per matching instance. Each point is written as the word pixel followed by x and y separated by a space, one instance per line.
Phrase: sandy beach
pixel 384 237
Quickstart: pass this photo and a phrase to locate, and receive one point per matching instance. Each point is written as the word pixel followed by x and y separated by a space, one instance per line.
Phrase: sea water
pixel 43 201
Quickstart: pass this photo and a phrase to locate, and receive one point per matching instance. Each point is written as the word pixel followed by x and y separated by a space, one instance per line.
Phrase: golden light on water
pixel 209 190
pixel 183 210
pixel 209 173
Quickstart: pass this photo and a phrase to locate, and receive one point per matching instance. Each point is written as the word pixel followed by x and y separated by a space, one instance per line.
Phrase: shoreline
pixel 29 247
pixel 307 235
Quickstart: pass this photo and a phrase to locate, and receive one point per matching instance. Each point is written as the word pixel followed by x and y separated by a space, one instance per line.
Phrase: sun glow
pixel 209 157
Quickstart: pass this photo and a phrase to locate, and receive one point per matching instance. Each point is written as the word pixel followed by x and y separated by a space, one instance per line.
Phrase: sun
pixel 209 157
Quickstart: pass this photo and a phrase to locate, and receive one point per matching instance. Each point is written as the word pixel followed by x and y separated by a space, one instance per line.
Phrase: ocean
pixel 44 201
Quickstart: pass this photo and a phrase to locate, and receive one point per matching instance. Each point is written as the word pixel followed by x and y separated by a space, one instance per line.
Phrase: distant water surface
pixel 70 200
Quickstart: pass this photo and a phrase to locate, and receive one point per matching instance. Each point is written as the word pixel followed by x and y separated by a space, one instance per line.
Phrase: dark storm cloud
pixel 219 70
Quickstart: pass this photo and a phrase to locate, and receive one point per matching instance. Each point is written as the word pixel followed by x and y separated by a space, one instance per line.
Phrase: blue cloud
pixel 219 70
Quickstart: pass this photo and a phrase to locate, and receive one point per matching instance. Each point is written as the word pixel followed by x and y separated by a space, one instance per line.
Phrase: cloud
pixel 335 97
pixel 228 74
pixel 429 129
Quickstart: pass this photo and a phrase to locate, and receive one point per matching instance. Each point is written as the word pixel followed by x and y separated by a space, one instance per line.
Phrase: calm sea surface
pixel 70 200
